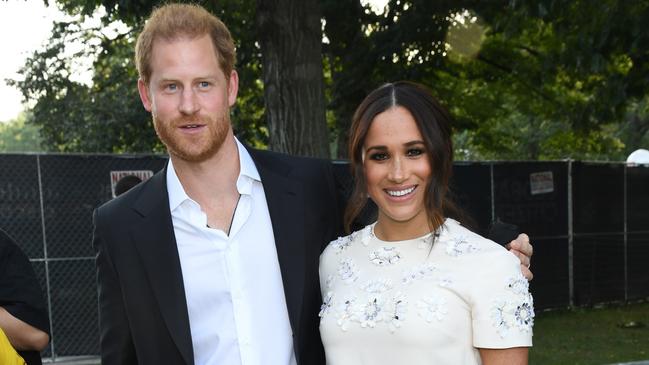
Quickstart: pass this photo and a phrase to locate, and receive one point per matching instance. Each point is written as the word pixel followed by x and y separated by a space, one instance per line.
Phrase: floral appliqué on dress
pixel 514 313
pixel 347 270
pixel 460 246
pixel 398 313
pixel 384 256
pixel 345 312
pixel 341 244
pixel 330 281
pixel 418 272
pixel 445 281
pixel 377 286
pixel 327 305
pixel 371 311
pixel 432 308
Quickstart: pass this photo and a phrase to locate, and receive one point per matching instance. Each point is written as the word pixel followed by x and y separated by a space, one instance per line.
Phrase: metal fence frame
pixel 51 220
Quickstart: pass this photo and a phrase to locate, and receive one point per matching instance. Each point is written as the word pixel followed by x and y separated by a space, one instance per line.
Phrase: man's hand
pixel 522 248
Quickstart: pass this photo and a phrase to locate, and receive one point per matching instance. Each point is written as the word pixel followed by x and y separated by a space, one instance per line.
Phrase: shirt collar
pixel 246 164
pixel 248 174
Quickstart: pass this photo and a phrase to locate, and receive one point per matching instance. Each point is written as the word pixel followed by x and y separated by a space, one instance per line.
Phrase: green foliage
pixel 16 136
pixel 551 80
pixel 524 79
pixel 74 117
pixel 107 115
pixel 585 67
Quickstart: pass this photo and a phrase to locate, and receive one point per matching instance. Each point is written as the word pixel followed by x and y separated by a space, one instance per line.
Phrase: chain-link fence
pixel 589 223
pixel 46 205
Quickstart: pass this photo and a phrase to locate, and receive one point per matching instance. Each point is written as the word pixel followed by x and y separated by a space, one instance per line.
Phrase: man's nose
pixel 188 102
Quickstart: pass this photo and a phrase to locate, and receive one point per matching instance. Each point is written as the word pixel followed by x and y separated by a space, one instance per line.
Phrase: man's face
pixel 189 97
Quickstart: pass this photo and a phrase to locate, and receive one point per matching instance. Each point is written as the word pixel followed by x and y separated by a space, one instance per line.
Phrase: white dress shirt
pixel 233 284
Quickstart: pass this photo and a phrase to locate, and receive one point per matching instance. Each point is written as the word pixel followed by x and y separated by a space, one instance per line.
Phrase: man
pixel 202 264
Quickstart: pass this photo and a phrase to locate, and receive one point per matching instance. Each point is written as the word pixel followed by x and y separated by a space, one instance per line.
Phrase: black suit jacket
pixel 142 306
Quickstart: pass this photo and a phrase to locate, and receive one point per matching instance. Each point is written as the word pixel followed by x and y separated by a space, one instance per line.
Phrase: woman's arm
pixel 511 356
pixel 21 335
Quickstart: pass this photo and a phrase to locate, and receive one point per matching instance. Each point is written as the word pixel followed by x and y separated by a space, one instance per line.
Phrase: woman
pixel 416 287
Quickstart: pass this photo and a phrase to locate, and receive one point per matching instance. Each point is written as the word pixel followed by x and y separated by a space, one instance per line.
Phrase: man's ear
pixel 144 94
pixel 233 87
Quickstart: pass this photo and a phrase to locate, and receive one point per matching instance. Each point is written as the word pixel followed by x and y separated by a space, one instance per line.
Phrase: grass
pixel 591 336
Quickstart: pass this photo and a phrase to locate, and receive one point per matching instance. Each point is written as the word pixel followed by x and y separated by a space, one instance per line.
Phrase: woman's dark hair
pixel 434 124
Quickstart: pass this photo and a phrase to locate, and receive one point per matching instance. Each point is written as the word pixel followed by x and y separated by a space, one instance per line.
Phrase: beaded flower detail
pixel 398 313
pixel 425 270
pixel 459 246
pixel 445 281
pixel 432 308
pixel 327 305
pixel 384 256
pixel 347 271
pixel 341 244
pixel 367 312
pixel 377 286
pixel 371 311
pixel 329 282
pixel 345 312
pixel 518 285
pixel 515 313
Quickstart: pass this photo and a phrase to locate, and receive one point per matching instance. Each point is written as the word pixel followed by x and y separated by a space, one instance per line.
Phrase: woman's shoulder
pixel 459 241
pixel 342 244
pixel 478 261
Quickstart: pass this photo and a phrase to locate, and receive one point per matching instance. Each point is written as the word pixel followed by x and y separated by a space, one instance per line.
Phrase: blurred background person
pixel 125 184
pixel 23 313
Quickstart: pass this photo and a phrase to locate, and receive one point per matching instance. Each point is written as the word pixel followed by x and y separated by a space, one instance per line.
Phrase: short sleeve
pixel 502 307
pixel 20 292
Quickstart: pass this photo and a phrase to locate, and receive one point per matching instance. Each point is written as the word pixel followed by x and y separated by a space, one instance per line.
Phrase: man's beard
pixel 193 148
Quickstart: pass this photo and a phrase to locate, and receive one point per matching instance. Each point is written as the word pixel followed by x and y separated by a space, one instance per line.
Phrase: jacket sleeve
pixel 115 336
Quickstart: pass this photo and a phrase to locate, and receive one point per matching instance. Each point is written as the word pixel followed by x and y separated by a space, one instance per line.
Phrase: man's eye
pixel 415 152
pixel 379 156
pixel 171 87
pixel 203 84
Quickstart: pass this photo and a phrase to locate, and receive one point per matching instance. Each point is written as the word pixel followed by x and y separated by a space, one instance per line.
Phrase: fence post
pixel 626 263
pixel 493 191
pixel 571 274
pixel 45 257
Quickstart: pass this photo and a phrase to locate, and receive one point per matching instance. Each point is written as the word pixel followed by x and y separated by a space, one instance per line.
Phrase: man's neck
pixel 213 183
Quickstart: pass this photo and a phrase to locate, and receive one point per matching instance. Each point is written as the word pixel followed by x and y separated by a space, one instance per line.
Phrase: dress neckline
pixel 423 238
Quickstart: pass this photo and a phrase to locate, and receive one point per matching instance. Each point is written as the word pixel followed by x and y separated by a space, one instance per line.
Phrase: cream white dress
pixel 405 303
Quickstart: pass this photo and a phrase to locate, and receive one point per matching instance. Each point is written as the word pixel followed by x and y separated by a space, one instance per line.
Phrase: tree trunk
pixel 291 39
pixel 353 60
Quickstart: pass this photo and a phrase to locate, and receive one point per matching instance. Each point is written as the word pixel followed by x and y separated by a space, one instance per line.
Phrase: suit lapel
pixel 155 241
pixel 285 200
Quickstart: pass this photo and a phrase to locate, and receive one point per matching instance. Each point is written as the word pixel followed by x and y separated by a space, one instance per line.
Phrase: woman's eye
pixel 379 156
pixel 415 152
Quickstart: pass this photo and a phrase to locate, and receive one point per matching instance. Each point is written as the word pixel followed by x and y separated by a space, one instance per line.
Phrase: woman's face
pixel 397 167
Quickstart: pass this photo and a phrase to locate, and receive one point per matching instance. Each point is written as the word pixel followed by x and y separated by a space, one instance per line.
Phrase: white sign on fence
pixel 541 182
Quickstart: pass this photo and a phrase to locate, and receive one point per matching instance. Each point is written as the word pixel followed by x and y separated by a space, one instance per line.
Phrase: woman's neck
pixel 387 229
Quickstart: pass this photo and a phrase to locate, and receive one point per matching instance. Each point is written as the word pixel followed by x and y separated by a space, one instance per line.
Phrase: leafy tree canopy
pixel 523 79
pixel 16 136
